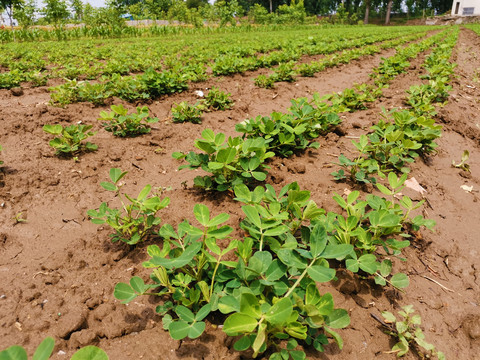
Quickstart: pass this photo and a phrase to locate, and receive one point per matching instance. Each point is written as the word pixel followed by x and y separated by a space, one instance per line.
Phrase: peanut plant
pixel 137 216
pixel 122 124
pixel 69 139
pixel 268 290
pixel 233 162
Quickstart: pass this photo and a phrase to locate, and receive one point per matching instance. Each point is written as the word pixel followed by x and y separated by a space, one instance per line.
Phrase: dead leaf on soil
pixel 413 184
pixel 467 188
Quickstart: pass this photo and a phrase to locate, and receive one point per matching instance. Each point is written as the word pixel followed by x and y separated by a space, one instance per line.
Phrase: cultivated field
pixel 332 160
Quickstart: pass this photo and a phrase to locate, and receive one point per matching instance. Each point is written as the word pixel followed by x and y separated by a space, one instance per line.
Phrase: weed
pixel 463 164
pixel 19 218
pixel 409 333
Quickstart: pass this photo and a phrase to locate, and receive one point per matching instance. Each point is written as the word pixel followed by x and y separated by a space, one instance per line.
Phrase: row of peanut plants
pixel 265 283
pixel 289 71
pixel 143 54
pixel 148 85
pixel 394 144
pixel 189 55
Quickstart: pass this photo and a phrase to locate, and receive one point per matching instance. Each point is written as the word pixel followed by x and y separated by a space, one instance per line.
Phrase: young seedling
pixel 408 332
pixel 462 165
pixel 122 124
pixel 69 140
pixel 137 217
pixel 1 162
pixel 19 218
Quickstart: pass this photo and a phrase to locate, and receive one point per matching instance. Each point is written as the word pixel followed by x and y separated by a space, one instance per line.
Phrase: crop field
pixel 273 193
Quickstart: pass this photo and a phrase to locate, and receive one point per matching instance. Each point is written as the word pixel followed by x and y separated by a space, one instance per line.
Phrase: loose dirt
pixel 58 270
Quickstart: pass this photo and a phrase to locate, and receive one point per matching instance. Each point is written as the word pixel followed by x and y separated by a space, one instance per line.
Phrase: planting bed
pixel 58 270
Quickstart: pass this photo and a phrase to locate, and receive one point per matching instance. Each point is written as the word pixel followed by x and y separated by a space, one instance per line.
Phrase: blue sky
pixel 96 3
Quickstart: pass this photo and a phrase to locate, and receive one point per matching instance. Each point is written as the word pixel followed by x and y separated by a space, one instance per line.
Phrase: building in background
pixel 466 7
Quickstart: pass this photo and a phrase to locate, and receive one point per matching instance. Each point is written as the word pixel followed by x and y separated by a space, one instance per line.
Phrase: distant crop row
pixel 194 55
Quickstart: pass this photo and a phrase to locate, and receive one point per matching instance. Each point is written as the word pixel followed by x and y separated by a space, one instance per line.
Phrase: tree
pixel 367 12
pixel 25 14
pixel 389 10
pixel 8 6
pixel 55 11
pixel 156 9
pixel 227 12
pixel 77 7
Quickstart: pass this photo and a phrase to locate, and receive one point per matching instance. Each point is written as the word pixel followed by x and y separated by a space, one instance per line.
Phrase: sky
pixel 96 3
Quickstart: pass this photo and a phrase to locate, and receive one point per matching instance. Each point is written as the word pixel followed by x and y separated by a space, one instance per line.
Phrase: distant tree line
pixel 58 12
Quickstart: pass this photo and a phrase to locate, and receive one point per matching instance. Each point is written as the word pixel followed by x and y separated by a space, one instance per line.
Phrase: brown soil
pixel 58 270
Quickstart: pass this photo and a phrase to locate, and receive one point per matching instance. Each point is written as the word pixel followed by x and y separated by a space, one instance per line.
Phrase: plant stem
pixel 214 273
pixel 299 279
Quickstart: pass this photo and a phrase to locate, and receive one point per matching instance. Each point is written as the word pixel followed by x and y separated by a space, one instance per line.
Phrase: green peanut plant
pixel 135 220
pixel 45 349
pixel 231 162
pixel 270 296
pixel 392 146
pixel 217 99
pixel 265 284
pixel 371 224
pixel 69 139
pixel 185 112
pixel 122 124
pixel 293 131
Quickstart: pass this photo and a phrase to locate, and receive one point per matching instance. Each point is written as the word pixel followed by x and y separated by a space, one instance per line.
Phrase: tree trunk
pixel 9 10
pixel 367 11
pixel 389 10
pixel 271 6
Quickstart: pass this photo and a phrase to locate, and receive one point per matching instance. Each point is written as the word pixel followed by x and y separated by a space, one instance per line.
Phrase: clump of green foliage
pixel 45 349
pixel 231 163
pixel 264 81
pixel 372 224
pixel 69 139
pixel 122 124
pixel 408 332
pixel 185 112
pixel 217 99
pixel 392 146
pixel 293 131
pixel 137 216
pixel 264 284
